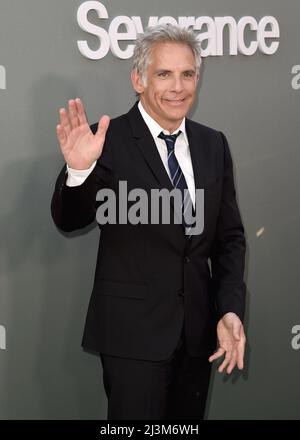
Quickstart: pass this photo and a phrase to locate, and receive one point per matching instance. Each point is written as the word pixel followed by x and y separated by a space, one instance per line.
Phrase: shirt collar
pixel 156 129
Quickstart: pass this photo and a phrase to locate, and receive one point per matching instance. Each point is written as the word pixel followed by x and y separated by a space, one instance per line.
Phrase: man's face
pixel 171 84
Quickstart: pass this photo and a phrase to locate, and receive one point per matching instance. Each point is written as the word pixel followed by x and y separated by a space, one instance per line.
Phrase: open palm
pixel 232 340
pixel 79 146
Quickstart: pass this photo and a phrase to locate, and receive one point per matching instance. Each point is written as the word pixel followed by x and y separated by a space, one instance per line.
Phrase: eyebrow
pixel 190 71
pixel 163 70
pixel 170 71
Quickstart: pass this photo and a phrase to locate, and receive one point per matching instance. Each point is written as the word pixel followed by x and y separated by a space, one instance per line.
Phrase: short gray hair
pixel 159 34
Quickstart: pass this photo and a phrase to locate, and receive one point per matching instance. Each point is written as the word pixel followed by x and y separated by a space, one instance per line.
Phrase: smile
pixel 174 101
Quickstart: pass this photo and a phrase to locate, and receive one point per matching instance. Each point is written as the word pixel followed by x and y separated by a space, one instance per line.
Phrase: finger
pixel 225 362
pixel 102 126
pixel 64 120
pixel 232 362
pixel 73 114
pixel 81 112
pixel 240 353
pixel 61 136
pixel 217 354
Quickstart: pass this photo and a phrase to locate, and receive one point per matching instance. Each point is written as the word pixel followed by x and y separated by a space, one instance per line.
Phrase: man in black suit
pixel 162 297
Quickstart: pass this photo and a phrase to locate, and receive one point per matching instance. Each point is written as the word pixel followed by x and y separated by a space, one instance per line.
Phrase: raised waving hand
pixel 79 146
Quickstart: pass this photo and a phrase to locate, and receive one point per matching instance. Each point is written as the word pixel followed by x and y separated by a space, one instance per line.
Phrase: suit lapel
pixel 197 150
pixel 146 144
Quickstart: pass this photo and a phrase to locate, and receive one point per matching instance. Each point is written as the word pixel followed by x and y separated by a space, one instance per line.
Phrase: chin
pixel 175 115
pixel 176 112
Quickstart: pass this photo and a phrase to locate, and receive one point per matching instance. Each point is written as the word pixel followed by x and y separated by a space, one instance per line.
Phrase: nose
pixel 177 85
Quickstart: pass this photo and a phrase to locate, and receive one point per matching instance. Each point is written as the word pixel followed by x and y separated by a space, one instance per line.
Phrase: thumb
pixel 236 331
pixel 103 126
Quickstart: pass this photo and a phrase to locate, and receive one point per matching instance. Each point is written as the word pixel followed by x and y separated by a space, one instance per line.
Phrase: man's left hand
pixel 232 340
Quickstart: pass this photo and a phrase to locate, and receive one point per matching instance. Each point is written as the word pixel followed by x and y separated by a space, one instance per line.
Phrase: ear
pixel 137 83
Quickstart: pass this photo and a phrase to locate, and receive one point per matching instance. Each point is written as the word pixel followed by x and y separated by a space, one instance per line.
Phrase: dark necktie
pixel 178 179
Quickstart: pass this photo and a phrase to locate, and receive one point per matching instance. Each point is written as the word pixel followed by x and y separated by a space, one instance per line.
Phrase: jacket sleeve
pixel 228 255
pixel 75 207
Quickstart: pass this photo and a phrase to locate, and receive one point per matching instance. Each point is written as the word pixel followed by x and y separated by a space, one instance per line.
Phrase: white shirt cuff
pixel 77 177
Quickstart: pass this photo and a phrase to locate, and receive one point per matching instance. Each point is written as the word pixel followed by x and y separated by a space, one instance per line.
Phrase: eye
pixel 188 74
pixel 163 74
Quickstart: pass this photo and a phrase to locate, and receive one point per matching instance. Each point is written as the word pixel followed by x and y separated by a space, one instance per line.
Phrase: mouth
pixel 174 101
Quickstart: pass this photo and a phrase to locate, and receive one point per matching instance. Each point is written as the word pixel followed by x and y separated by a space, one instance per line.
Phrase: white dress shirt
pixel 182 153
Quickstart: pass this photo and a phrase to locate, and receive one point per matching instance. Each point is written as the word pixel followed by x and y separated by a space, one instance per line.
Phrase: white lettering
pixel 262 34
pixel 232 27
pixel 138 24
pixel 296 79
pixel 2 78
pixel 208 36
pixel 153 21
pixel 167 20
pixel 209 30
pixel 117 36
pixel 2 337
pixel 186 22
pixel 295 342
pixel 82 19
pixel 243 23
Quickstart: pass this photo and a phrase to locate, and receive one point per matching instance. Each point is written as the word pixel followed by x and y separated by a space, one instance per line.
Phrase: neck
pixel 172 128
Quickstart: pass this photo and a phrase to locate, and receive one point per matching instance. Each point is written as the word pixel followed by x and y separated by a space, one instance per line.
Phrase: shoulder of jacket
pixel 115 123
pixel 203 129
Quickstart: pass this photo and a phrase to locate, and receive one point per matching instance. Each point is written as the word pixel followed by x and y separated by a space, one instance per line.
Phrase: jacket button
pixel 187 259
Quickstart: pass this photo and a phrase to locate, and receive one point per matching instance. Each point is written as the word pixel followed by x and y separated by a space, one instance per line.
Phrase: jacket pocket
pixel 119 289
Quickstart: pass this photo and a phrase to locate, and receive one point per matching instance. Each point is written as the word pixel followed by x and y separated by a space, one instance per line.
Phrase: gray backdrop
pixel 46 276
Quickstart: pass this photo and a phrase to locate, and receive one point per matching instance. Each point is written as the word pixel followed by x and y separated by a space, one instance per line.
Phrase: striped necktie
pixel 178 180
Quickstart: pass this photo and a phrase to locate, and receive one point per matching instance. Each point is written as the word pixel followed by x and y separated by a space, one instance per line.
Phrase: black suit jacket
pixel 150 278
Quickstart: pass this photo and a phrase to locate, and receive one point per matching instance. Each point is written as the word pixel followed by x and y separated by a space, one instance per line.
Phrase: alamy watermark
pixel 2 78
pixel 295 342
pixel 2 337
pixel 161 201
pixel 296 77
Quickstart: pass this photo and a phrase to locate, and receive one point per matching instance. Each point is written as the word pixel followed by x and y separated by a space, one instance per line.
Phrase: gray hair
pixel 158 34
